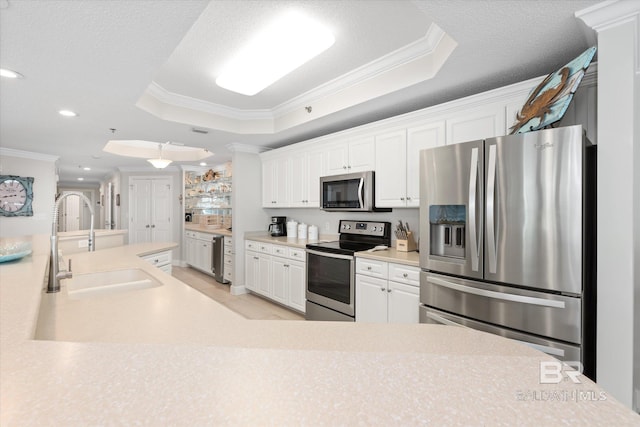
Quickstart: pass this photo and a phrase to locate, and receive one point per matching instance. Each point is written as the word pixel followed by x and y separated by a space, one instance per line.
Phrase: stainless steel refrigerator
pixel 507 239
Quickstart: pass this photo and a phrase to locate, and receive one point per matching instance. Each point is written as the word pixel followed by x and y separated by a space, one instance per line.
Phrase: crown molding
pixel 10 152
pixel 236 147
pixel 182 101
pixel 172 106
pixel 612 13
pixel 609 13
pixel 417 49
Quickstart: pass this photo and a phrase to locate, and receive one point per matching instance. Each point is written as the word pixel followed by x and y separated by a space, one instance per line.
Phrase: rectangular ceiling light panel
pixel 285 45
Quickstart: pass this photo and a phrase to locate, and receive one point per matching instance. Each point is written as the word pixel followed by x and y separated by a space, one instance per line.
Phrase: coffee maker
pixel 278 226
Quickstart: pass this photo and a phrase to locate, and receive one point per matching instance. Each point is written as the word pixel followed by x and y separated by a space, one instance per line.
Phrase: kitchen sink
pixel 108 282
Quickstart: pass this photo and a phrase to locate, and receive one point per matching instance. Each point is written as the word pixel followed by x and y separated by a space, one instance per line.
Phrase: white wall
pixel 618 344
pixel 248 214
pixel 321 218
pixel 42 168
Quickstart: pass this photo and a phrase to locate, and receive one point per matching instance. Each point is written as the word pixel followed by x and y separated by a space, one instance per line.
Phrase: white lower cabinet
pixel 276 272
pixel 199 250
pixel 386 292
pixel 228 258
pixel 161 260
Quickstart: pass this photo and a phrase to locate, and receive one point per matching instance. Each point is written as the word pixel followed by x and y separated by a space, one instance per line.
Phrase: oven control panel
pixel 365 228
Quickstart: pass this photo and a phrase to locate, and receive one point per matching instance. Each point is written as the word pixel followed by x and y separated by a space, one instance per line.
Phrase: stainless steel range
pixel 330 281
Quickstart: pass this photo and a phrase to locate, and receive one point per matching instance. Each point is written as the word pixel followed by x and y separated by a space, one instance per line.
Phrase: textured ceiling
pixel 98 57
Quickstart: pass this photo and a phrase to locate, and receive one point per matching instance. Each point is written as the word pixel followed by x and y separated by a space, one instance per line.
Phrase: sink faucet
pixel 55 274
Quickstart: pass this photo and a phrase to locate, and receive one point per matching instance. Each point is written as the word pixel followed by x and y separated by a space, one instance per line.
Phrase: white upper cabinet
pixel 420 138
pixel 357 155
pixel 391 169
pixel 391 147
pixel 306 169
pixel 275 182
pixel 398 163
pixel 478 123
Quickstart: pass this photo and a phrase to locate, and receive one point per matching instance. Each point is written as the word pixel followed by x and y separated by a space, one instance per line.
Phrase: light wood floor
pixel 247 305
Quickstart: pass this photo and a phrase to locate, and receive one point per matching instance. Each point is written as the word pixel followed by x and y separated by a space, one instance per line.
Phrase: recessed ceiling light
pixel 67 113
pixel 203 164
pixel 285 45
pixel 80 179
pixel 86 168
pixel 10 74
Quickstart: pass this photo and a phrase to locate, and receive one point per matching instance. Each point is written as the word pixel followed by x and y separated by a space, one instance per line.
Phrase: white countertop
pixel 191 226
pixel 197 363
pixel 387 255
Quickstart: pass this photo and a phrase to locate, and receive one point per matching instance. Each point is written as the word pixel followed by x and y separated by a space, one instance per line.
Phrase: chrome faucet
pixel 55 274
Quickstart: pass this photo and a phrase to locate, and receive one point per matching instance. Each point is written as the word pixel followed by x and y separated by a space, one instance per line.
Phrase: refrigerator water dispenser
pixel 447 234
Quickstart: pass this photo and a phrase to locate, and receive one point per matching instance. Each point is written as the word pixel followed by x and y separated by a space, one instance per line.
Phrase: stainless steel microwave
pixel 348 192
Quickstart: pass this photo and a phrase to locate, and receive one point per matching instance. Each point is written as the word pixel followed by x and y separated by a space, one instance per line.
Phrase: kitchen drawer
pixel 228 260
pixel 166 268
pixel 191 234
pixel 404 274
pixel 258 246
pixel 296 253
pixel 159 259
pixel 372 267
pixel 228 250
pixel 228 242
pixel 280 250
pixel 228 274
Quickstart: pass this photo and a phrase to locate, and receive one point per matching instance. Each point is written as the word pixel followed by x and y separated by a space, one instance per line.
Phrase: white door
pixel 150 210
pixel 371 299
pixel 72 213
pixel 420 138
pixel 315 169
pixel 391 176
pixel 161 209
pixel 362 155
pixel 251 270
pixel 279 278
pixel 404 303
pixel 140 211
pixel 297 274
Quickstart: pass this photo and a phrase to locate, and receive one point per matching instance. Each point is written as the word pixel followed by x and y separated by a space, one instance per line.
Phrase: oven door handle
pixel 330 255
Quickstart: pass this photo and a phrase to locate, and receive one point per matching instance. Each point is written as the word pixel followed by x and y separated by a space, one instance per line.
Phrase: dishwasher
pixel 217 258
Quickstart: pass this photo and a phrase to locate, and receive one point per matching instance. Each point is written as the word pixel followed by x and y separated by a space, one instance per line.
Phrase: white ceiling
pixel 146 68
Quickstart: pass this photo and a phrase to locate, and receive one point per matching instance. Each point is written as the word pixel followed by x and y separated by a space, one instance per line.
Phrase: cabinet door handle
pixel 405 275
pixel 369 268
pixel 389 290
pixel 408 198
pixel 382 289
pixel 146 226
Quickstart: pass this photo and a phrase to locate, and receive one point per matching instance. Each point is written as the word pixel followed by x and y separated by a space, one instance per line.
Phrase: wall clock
pixel 16 195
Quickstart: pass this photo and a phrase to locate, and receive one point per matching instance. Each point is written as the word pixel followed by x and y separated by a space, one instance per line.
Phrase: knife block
pixel 408 245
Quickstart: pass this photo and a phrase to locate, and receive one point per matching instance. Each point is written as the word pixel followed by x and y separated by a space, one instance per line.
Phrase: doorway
pixel 150 209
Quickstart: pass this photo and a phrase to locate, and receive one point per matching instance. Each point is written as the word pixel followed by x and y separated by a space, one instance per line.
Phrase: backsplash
pixel 328 222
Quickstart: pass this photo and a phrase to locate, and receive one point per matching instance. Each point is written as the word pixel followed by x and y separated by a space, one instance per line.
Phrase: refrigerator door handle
pixel 543 348
pixel 473 187
pixel 497 295
pixel 442 320
pixel 491 209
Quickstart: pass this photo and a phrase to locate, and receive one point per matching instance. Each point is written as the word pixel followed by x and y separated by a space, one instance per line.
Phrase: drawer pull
pixel 369 268
pixel 405 275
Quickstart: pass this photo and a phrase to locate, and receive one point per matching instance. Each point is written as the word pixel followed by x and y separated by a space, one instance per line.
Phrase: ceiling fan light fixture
pixel 160 163
pixel 283 46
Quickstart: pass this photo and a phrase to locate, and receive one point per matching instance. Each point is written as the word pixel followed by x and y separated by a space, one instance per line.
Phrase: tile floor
pixel 248 305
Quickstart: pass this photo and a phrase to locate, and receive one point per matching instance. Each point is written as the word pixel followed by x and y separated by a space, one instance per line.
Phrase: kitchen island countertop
pixel 201 364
